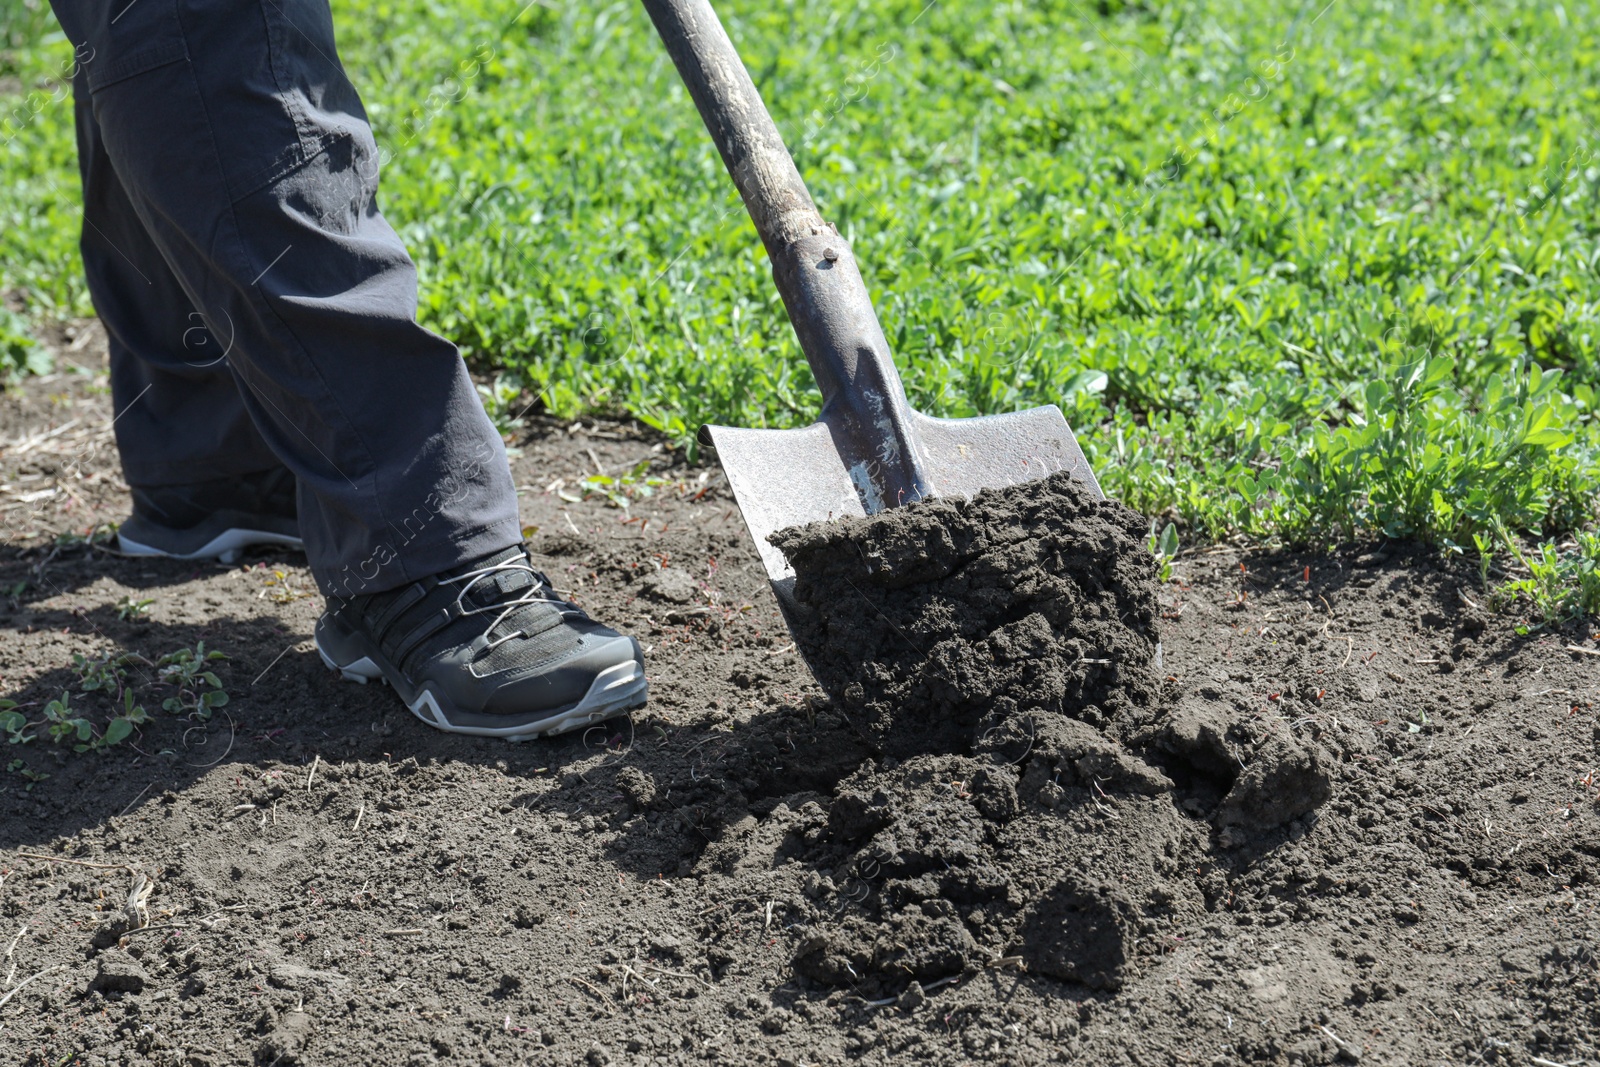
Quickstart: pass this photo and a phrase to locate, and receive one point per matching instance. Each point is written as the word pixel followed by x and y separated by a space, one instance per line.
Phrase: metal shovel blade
pixel 784 478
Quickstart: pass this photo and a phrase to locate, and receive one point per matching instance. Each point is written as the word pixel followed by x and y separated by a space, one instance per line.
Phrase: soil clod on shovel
pixel 931 623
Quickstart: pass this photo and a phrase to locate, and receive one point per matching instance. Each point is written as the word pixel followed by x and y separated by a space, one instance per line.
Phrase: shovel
pixel 868 450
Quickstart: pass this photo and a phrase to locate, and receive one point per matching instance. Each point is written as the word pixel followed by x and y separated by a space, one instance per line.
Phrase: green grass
pixel 1300 274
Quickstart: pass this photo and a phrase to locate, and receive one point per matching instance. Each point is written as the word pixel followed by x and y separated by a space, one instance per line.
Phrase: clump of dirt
pixel 934 622
pixel 1055 809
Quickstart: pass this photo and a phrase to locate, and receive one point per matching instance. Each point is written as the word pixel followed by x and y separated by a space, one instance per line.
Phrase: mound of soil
pixel 936 621
pixel 1005 648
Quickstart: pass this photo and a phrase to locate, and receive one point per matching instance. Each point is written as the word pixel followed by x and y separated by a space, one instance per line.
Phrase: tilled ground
pixel 1359 821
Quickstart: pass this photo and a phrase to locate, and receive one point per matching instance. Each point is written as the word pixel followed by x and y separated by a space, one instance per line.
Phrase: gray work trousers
pixel 261 311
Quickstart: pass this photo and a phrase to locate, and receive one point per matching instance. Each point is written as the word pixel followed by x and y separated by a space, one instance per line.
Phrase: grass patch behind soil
pixel 1291 273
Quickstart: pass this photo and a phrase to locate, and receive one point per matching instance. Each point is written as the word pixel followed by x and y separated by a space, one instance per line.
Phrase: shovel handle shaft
pixel 864 404
pixel 751 147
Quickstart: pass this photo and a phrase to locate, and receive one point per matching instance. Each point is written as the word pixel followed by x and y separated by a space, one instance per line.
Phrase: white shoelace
pixel 540 592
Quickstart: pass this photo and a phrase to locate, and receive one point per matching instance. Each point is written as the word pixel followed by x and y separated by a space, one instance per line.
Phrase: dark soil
pixel 1353 818
pixel 1005 647
pixel 932 623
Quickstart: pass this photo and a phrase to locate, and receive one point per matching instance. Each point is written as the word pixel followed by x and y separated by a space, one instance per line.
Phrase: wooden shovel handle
pixel 745 135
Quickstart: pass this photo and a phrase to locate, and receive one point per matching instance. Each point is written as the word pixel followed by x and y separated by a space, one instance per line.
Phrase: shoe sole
pixel 226 546
pixel 613 691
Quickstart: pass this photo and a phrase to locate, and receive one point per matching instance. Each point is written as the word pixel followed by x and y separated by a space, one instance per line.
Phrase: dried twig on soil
pixel 312 776
pixel 137 908
pixel 23 445
pixel 153 928
pixel 29 981
pixel 274 662
pixel 12 972
pixel 596 993
pixel 135 800
pixel 1583 651
pixel 676 974
pixel 76 863
pixel 1340 1042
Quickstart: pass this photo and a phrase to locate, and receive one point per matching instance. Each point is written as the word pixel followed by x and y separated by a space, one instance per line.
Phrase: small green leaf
pixel 1085 381
pixel 1169 541
pixel 1549 437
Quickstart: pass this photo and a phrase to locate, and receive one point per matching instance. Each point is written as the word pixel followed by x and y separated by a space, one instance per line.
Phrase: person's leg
pixel 203 481
pixel 248 160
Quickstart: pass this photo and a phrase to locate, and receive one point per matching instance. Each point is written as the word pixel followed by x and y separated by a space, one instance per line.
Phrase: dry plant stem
pixel 29 981
pixel 137 908
pixel 78 863
pixel 13 946
pixel 593 991
pixel 135 800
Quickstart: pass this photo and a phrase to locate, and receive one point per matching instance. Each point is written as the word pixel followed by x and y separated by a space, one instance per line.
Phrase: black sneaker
pixel 216 519
pixel 487 649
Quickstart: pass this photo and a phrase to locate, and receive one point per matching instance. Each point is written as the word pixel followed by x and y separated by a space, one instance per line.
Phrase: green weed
pixel 1164 546
pixel 63 724
pixel 131 610
pixel 108 673
pixel 1563 581
pixel 621 490
pixel 19 353
pixel 20 768
pixel 504 403
pixel 199 690
pixel 113 683
pixel 95 536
